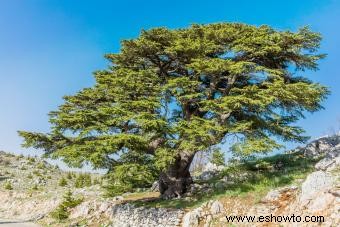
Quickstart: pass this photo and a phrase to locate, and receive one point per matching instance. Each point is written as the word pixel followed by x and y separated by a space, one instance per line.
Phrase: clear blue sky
pixel 49 48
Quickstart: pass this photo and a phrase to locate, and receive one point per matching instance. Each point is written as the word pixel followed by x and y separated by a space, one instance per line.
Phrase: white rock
pixel 331 160
pixel 321 145
pixel 117 198
pixel 216 207
pixel 315 182
pixel 208 221
pixel 321 202
pixel 191 219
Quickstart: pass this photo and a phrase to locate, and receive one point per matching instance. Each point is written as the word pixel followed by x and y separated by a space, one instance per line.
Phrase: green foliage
pixel 174 92
pixel 217 157
pixel 96 181
pixel 62 211
pixel 62 182
pixel 69 176
pixel 41 165
pixel 83 180
pixel 37 173
pixel 126 178
pixel 8 186
pixel 31 160
pixel 35 187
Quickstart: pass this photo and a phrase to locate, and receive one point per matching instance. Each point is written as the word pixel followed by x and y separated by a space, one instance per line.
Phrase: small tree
pixel 35 187
pixel 83 180
pixel 8 186
pixel 217 157
pixel 69 175
pixel 79 182
pixel 62 182
pixel 62 211
pixel 87 180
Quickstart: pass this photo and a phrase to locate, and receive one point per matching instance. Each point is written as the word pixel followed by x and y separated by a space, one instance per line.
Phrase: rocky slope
pixel 287 185
pixel 30 188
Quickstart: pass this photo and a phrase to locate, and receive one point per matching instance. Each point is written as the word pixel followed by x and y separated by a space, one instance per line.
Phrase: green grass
pixel 259 176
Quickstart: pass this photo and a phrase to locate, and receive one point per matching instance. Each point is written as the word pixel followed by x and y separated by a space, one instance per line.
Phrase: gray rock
pixel 314 183
pixel 210 167
pixel 331 160
pixel 129 216
pixel 117 198
pixel 216 208
pixel 208 221
pixel 321 145
pixel 155 187
pixel 191 219
pixel 209 171
pixel 207 175
pixel 275 195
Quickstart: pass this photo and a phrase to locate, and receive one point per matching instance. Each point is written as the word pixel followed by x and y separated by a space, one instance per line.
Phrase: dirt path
pixel 16 223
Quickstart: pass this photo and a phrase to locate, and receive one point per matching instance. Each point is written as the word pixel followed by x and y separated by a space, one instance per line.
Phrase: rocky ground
pixel 304 181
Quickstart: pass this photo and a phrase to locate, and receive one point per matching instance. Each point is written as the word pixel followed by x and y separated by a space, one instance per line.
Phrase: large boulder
pixel 209 171
pixel 314 183
pixel 212 167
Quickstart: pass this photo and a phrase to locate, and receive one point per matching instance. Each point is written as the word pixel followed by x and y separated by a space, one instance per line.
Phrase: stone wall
pixel 128 215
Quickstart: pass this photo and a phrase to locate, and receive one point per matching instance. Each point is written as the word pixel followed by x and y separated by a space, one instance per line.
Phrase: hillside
pixel 304 181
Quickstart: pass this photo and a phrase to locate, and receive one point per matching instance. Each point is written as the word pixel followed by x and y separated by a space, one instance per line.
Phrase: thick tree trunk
pixel 175 181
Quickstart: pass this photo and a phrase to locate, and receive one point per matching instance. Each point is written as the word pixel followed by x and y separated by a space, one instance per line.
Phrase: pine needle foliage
pixel 63 210
pixel 217 157
pixel 170 93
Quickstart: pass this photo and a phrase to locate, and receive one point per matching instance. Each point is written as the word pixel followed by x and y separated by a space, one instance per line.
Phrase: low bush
pixel 62 182
pixel 8 186
pixel 63 210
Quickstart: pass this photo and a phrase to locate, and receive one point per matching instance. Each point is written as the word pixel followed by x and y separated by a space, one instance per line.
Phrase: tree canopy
pixel 170 93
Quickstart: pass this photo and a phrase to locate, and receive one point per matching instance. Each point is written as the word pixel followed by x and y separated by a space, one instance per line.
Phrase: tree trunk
pixel 175 181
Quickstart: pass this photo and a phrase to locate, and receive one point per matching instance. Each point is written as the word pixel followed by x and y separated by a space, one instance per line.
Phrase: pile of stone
pixel 128 215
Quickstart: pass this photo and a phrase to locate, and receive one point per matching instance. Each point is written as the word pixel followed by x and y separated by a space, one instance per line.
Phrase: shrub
pixel 35 187
pixel 95 181
pixel 41 165
pixel 37 173
pixel 31 160
pixel 217 157
pixel 69 176
pixel 8 186
pixel 63 210
pixel 62 182
pixel 87 180
pixel 83 180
